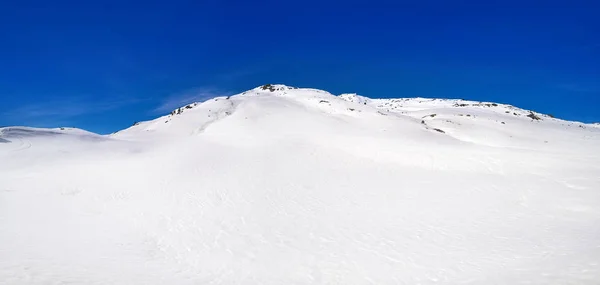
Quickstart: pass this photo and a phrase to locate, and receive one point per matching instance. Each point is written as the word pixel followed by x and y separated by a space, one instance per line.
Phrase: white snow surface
pixel 283 185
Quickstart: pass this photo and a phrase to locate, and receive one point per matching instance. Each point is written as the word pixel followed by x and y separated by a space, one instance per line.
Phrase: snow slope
pixel 280 185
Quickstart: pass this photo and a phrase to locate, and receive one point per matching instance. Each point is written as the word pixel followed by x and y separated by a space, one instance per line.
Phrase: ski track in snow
pixel 297 186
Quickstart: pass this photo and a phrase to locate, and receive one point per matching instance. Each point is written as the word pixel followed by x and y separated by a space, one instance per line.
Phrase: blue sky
pixel 101 65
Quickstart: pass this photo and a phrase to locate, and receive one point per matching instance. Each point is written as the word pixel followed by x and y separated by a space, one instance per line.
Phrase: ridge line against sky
pixel 102 66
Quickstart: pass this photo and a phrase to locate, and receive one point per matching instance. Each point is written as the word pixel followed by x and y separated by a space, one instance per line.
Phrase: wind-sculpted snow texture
pixel 280 185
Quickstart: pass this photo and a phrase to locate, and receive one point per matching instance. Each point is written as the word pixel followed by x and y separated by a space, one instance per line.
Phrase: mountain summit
pixel 303 110
pixel 285 185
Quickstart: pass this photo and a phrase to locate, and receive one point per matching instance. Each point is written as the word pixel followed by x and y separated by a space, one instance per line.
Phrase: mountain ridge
pixel 299 186
pixel 399 105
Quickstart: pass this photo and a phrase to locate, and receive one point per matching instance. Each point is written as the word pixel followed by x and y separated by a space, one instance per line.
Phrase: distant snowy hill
pixel 285 185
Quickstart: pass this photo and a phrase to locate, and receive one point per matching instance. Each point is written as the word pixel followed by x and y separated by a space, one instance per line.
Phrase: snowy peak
pixel 275 110
pixel 305 111
pixel 280 89
pixel 274 87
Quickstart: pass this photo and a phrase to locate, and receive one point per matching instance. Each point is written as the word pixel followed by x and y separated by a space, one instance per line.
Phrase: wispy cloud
pixel 180 99
pixel 62 112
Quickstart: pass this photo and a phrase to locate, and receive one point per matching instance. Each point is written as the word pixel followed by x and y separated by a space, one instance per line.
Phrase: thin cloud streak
pixel 177 100
pixel 62 110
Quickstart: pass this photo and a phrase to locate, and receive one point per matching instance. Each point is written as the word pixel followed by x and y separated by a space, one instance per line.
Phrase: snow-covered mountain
pixel 285 185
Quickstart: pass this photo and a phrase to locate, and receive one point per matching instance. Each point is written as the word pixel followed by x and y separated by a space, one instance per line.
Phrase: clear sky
pixel 101 65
